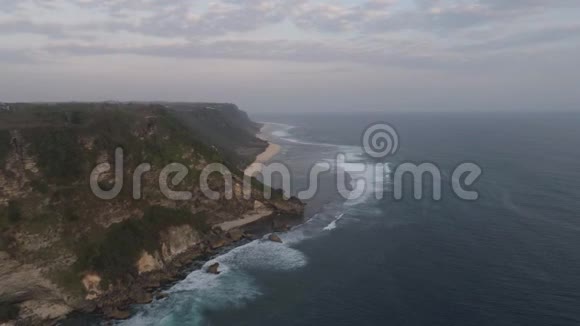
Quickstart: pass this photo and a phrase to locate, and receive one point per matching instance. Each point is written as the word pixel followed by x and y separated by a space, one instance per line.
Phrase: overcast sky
pixel 301 55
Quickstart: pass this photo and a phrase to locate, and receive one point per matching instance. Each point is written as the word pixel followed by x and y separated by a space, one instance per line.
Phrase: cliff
pixel 63 249
pixel 224 127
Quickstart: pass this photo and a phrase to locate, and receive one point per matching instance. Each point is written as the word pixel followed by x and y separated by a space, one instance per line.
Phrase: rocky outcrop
pixel 116 313
pixel 141 296
pixel 292 206
pixel 236 235
pixel 44 310
pixel 147 263
pixel 92 285
pixel 177 240
pixel 161 296
pixel 37 297
pixel 213 269
pixel 217 241
pixel 275 238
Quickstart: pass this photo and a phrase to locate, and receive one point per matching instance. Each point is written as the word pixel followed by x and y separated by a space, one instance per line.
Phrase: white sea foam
pixel 281 125
pixel 197 293
pixel 279 130
pixel 332 224
pixel 264 254
pixel 232 287
pixel 301 142
pixel 280 133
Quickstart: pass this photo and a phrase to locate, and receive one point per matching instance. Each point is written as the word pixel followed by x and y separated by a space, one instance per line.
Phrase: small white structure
pixel 5 107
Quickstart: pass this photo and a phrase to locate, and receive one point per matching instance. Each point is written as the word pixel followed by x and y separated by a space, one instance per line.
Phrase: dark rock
pixel 141 297
pixel 291 206
pixel 213 269
pixel 152 285
pixel 115 313
pixel 217 242
pixel 279 227
pixel 161 296
pixel 236 234
pixel 275 238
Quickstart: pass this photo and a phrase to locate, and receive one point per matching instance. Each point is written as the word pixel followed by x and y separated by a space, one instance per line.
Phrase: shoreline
pixel 232 234
pixel 271 151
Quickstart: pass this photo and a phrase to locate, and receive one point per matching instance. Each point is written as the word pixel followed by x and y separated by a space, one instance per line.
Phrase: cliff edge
pixel 63 249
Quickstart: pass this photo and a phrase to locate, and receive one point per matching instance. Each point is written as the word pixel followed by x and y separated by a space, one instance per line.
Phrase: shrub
pixel 4 146
pixel 13 212
pixel 181 132
pixel 77 117
pixel 8 312
pixel 70 215
pixel 114 254
pixel 5 241
pixel 40 186
pixel 67 279
pixel 58 152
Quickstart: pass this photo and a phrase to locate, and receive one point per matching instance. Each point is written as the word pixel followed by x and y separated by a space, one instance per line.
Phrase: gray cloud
pixel 16 57
pixel 50 30
pixel 433 18
pixel 226 16
pixel 164 18
pixel 539 37
pixel 529 4
pixel 299 51
pixel 447 44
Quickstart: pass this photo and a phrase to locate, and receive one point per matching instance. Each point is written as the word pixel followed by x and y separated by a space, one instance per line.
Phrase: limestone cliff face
pixel 177 240
pixel 64 249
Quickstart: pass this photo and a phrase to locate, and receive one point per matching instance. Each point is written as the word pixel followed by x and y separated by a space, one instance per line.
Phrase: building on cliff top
pixel 5 107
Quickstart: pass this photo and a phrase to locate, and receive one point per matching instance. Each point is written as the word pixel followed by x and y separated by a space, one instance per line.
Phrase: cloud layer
pixel 449 36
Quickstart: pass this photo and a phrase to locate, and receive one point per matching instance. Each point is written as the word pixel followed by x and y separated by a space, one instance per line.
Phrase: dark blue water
pixel 510 258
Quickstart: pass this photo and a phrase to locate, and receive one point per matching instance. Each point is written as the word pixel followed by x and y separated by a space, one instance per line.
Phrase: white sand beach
pixel 267 155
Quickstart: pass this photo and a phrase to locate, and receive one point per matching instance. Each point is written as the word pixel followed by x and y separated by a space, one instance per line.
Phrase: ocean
pixel 511 257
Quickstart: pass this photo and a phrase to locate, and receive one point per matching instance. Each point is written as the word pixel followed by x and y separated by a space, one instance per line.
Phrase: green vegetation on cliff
pixel 8 312
pixel 114 252
pixel 4 146
pixel 52 223
pixel 10 215
pixel 58 152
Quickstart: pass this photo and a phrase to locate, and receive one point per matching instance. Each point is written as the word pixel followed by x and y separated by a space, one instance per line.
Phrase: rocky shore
pixel 150 286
